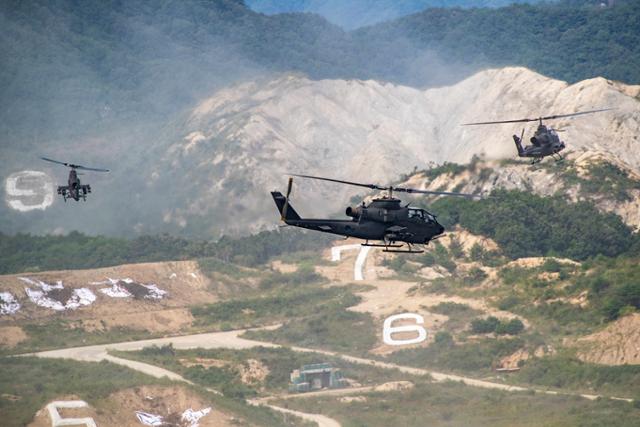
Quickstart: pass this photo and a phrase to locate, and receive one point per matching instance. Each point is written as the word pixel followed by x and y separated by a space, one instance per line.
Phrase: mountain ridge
pixel 247 137
pixel 211 170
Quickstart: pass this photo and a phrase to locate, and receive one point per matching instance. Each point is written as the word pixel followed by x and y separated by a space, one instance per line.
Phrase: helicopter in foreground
pixel 384 219
pixel 74 189
pixel 544 142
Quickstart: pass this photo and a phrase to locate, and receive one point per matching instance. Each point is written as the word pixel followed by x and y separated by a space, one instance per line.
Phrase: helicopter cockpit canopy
pixel 421 214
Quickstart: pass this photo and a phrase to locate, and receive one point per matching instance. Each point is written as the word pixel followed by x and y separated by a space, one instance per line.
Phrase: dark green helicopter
pixel 545 141
pixel 384 219
pixel 74 189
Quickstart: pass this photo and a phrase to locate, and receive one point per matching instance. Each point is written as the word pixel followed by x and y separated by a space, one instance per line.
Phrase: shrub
pixel 493 324
pixel 484 326
pixel 512 327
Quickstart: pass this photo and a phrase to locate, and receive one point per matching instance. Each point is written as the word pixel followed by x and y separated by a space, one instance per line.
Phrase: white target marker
pixel 336 255
pixel 29 190
pixel 388 330
pixel 58 421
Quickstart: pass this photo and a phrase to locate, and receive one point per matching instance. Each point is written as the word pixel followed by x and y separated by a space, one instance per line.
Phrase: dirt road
pixel 232 340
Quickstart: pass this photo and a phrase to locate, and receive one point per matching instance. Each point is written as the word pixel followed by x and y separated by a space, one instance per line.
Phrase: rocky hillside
pixel 609 183
pixel 239 144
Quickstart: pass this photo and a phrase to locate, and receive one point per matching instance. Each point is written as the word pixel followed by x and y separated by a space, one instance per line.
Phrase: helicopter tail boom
pixel 289 214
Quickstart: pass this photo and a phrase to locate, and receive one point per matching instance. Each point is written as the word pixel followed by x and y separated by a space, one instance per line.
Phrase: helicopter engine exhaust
pixel 353 212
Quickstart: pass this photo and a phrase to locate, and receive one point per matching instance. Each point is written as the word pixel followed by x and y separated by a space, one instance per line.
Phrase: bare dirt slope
pixel 119 409
pixel 617 344
pixel 182 284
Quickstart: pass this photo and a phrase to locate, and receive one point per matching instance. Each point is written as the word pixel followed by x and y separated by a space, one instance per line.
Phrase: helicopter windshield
pixel 421 214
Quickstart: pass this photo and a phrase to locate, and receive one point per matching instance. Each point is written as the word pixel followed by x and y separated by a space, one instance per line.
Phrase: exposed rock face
pixel 617 344
pixel 236 146
pixel 541 180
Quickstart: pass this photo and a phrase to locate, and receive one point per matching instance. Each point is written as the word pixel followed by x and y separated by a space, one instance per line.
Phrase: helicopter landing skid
pixel 391 247
pixel 380 245
pixel 407 251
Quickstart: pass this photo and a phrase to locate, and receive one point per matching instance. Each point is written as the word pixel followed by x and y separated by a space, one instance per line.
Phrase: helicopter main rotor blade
pixel 55 161
pixel 391 188
pixel 90 169
pixel 555 116
pixel 436 193
pixel 357 184
pixel 559 116
pixel 72 166
pixel 500 121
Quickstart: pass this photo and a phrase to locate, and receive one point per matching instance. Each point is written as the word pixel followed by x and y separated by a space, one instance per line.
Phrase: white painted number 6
pixel 388 330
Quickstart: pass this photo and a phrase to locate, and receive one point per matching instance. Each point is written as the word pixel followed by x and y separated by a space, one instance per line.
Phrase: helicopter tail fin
pixel 518 142
pixel 281 202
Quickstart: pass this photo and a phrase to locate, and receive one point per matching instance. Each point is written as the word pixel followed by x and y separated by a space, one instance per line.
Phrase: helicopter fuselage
pixel 382 220
pixel 545 142
pixel 75 189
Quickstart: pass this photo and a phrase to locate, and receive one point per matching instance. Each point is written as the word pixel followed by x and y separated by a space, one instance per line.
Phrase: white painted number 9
pixel 29 190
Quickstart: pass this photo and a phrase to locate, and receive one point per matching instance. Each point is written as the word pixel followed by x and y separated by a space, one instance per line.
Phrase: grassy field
pixel 61 334
pixel 327 327
pixel 452 404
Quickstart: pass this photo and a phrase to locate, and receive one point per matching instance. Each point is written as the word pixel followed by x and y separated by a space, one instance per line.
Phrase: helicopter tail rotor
pixel 287 213
pixel 518 142
pixel 283 215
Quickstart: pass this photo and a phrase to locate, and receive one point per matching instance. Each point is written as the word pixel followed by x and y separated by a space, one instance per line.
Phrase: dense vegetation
pixel 560 40
pixel 524 224
pixel 613 285
pixel 136 62
pixel 357 13
pixel 24 252
pixel 501 327
pixel 604 180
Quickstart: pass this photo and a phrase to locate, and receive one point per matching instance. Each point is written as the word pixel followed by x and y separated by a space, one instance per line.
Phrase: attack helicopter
pixel 545 141
pixel 74 189
pixel 384 219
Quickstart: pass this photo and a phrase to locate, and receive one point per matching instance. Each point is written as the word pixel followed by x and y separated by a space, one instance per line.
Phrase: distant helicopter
pixel 74 189
pixel 384 219
pixel 545 141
